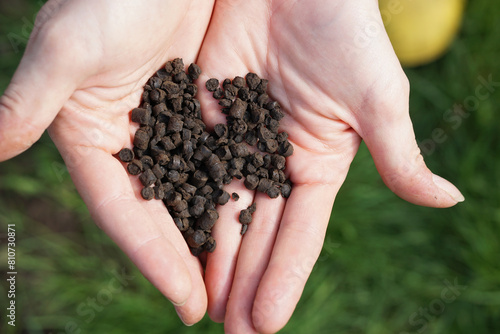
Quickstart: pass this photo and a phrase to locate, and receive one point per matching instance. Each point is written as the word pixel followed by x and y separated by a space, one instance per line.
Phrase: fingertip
pixel 416 184
pixel 217 312
pixel 170 275
pixel 191 312
pixel 194 308
pixel 262 321
pixel 17 134
pixel 448 188
pixel 181 317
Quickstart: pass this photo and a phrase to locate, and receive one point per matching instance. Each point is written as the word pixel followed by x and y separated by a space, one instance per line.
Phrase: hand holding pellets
pixel 186 167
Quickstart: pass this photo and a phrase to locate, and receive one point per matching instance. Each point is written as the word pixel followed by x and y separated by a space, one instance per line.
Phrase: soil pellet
pixel 141 139
pixel 194 71
pixel 135 167
pixel 182 224
pixel 285 149
pixel 281 137
pixel 252 208
pixel 286 190
pixel 278 161
pixel 238 108
pixel 159 193
pixel 147 193
pixel 197 239
pixel 218 93
pixel 245 217
pixel 264 185
pixel 196 251
pixel 223 198
pixel 273 191
pixel 244 228
pixel 140 115
pixel 186 166
pixel 177 66
pixel 212 84
pixel 147 162
pixel 147 178
pixel 207 220
pixel 126 155
pixel 230 91
pixel 210 244
pixel 238 82
pixel 251 182
pixel 253 80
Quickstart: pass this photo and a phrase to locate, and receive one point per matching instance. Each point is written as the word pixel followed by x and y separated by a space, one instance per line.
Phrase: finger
pixel 297 247
pixel 195 308
pixel 253 258
pixel 43 82
pixel 222 262
pixel 106 189
pixel 390 138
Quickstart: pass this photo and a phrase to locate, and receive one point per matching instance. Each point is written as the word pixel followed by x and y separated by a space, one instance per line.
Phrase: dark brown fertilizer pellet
pixel 218 93
pixel 264 185
pixel 286 189
pixel 194 71
pixel 182 224
pixel 197 239
pixel 187 167
pixel 251 181
pixel 135 167
pixel 244 228
pixel 147 193
pixel 273 191
pixel 141 139
pixel 207 221
pixel 126 155
pixel 210 244
pixel 212 84
pixel 147 178
pixel 253 80
pixel 223 198
pixel 252 208
pixel 159 192
pixel 245 217
pixel 196 251
pixel 140 115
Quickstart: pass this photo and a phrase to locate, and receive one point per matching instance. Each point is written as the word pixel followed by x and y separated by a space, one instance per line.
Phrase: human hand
pixel 332 68
pixel 82 73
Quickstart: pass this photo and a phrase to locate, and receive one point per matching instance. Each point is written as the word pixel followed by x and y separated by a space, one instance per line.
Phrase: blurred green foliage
pixel 385 265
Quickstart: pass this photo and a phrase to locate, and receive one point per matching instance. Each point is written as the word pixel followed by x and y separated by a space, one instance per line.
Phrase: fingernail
pixel 180 317
pixel 178 304
pixel 449 188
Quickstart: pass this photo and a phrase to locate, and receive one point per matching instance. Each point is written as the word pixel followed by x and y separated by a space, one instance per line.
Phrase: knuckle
pixel 11 100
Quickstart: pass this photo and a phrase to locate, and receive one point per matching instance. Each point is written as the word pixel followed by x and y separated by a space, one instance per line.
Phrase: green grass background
pixel 383 259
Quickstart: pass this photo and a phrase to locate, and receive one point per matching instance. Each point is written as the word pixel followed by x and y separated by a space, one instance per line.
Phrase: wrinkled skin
pixel 329 64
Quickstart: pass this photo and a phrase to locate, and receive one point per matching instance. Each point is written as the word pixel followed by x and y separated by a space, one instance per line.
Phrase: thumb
pixel 391 140
pixel 42 83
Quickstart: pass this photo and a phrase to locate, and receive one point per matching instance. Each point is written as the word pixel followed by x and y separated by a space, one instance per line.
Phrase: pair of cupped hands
pixel 330 65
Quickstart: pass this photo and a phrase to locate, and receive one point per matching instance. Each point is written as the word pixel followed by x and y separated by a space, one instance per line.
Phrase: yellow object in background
pixel 421 30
